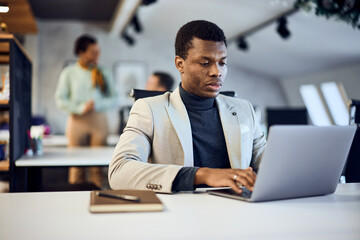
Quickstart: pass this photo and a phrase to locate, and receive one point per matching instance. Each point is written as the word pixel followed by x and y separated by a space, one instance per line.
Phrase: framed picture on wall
pixel 129 75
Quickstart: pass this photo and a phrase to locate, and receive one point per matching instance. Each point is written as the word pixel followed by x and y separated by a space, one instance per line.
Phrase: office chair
pixel 286 116
pixel 123 116
pixel 138 93
pixel 352 168
pixel 229 93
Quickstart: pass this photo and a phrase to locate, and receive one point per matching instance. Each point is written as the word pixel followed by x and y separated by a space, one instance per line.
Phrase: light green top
pixel 75 88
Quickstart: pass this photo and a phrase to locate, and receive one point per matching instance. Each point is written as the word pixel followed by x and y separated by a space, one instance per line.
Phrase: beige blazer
pixel 157 141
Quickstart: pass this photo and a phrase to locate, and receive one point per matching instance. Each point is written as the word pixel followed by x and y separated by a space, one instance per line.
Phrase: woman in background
pixel 85 91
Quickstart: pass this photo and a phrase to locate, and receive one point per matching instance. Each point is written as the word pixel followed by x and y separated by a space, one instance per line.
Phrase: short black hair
pixel 165 80
pixel 201 29
pixel 83 42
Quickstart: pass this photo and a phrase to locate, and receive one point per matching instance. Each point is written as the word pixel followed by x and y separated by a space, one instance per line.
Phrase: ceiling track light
pixel 136 24
pixel 282 28
pixel 242 44
pixel 128 39
pixel 148 2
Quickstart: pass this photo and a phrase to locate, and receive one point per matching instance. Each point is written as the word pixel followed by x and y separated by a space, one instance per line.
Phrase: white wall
pixel 348 75
pixel 32 48
pixel 54 45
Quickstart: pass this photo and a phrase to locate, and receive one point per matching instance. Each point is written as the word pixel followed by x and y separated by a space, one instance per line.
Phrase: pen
pixel 119 196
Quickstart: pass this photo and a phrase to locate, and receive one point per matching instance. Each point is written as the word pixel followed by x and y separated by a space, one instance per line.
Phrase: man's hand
pixel 89 106
pixel 226 178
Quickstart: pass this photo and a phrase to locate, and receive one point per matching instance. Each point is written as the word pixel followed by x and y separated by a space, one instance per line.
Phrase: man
pixel 160 81
pixel 193 136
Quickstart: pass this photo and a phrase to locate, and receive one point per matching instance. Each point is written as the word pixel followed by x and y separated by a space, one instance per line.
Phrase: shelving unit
pixel 19 105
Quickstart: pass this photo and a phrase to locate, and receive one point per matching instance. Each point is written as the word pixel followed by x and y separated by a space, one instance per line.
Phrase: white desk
pixel 28 168
pixel 62 156
pixel 62 141
pixel 65 215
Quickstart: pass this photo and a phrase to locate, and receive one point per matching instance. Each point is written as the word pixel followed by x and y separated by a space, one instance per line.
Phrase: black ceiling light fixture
pixel 136 24
pixel 242 44
pixel 282 28
pixel 148 2
pixel 128 39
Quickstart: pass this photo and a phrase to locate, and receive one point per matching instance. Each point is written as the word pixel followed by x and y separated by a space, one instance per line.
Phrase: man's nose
pixel 215 71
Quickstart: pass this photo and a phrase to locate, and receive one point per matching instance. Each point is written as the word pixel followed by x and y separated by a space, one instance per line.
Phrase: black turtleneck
pixel 209 145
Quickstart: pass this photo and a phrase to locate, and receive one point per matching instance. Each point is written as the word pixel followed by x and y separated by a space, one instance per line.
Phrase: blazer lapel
pixel 232 132
pixel 180 120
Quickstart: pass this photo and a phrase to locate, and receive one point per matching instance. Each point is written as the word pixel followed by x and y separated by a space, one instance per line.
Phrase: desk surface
pixel 62 141
pixel 62 156
pixel 65 215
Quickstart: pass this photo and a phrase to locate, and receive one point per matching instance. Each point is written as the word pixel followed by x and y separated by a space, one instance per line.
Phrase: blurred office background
pixel 274 50
pixel 269 72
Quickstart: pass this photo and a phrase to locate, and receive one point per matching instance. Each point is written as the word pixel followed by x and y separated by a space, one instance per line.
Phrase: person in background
pixel 160 81
pixel 193 136
pixel 85 91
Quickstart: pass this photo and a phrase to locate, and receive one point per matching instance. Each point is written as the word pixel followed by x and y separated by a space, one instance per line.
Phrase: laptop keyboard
pixel 229 193
pixel 245 193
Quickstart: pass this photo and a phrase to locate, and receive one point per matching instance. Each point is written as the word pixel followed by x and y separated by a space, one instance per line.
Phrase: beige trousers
pixel 90 129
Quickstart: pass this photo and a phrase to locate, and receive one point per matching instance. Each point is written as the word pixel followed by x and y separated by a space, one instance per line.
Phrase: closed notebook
pixel 147 201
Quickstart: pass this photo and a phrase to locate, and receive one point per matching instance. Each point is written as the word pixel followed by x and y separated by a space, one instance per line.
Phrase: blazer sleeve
pixel 129 167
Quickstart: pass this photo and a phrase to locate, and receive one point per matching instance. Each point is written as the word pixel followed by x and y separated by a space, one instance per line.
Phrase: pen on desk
pixel 119 196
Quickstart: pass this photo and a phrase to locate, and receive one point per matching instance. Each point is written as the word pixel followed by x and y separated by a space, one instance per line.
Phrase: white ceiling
pixel 315 44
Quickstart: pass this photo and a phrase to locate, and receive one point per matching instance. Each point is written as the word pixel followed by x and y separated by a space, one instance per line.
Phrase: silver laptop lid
pixel 301 161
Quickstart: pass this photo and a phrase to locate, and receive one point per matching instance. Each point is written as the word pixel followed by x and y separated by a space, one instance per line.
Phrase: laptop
pixel 298 161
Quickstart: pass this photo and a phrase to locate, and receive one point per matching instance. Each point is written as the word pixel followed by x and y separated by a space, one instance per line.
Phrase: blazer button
pixel 234 113
pixel 159 187
pixel 148 186
pixel 155 186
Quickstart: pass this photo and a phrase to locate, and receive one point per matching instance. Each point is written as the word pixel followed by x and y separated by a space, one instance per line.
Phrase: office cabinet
pixel 18 105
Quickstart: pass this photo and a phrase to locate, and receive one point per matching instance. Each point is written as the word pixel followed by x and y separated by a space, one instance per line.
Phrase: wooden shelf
pixel 4 165
pixel 4 102
pixel 4 52
pixel 4 105
pixel 19 107
pixel 4 58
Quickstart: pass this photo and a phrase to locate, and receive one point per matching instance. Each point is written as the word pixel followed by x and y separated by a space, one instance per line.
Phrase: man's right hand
pixel 89 106
pixel 214 177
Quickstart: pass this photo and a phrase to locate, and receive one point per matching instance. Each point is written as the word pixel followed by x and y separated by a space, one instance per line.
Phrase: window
pixel 315 105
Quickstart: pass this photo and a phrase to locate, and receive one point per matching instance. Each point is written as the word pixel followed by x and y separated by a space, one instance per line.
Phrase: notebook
pixel 147 201
pixel 298 161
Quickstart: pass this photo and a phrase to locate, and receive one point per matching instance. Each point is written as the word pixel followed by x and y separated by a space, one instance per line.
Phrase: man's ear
pixel 179 64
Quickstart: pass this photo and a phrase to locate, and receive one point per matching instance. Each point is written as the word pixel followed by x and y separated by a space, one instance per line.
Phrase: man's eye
pixel 204 64
pixel 222 64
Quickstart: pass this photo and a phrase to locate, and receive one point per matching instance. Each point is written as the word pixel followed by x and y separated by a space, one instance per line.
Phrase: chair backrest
pixel 123 116
pixel 228 93
pixel 355 111
pixel 352 168
pixel 138 93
